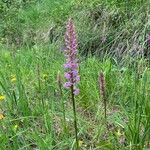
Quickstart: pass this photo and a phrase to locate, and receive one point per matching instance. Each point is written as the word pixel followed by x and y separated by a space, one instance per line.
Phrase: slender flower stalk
pixel 71 66
pixel 102 85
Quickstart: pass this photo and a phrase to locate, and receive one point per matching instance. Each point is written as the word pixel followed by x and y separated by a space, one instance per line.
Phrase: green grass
pixel 35 114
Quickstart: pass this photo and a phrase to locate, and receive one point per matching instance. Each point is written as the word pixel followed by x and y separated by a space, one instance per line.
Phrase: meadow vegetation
pixel 35 108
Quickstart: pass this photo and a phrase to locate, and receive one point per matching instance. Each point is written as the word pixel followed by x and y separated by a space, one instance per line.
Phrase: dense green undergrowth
pixel 113 27
pixel 33 112
pixel 112 40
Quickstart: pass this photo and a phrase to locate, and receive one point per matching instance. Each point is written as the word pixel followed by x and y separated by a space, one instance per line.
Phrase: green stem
pixel 75 118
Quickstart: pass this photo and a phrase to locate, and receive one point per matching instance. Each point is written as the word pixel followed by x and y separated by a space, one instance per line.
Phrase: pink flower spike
pixel 71 67
pixel 71 53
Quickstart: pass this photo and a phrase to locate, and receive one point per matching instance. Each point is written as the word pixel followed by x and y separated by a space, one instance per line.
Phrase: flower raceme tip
pixel 70 52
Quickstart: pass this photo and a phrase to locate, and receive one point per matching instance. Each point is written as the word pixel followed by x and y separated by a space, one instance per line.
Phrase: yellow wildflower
pixel 2 97
pixel 1 116
pixel 15 127
pixel 119 133
pixel 45 76
pixel 13 78
pixel 80 143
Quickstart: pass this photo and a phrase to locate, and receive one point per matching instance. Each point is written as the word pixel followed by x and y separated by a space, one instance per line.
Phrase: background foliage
pixel 112 37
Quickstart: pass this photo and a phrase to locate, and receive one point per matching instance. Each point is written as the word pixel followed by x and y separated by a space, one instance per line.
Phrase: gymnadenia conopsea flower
pixel 71 74
pixel 72 66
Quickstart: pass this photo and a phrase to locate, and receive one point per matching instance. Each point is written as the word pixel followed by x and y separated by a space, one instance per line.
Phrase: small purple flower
pixel 75 73
pixel 67 75
pixel 67 65
pixel 74 66
pixel 76 91
pixel 71 65
pixel 77 78
pixel 67 85
pixel 72 74
pixel 148 38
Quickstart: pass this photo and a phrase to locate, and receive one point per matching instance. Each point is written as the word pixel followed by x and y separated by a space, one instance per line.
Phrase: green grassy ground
pixel 34 114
